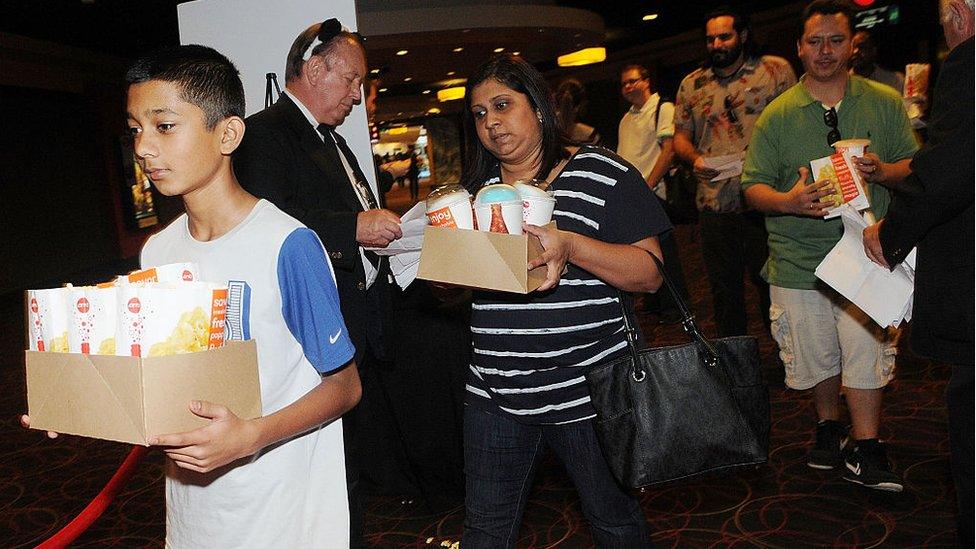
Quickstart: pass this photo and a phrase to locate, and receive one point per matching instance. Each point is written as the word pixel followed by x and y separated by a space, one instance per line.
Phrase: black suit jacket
pixel 939 218
pixel 282 159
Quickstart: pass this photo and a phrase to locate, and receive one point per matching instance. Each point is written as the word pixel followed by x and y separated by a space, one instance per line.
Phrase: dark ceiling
pixel 130 27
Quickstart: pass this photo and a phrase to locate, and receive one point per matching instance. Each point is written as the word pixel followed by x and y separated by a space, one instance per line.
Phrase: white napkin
pixel 404 252
pixel 885 296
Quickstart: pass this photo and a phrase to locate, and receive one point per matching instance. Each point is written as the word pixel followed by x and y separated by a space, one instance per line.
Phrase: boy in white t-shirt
pixel 279 480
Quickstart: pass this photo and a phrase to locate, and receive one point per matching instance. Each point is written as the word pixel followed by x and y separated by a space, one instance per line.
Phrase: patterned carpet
pixel 44 483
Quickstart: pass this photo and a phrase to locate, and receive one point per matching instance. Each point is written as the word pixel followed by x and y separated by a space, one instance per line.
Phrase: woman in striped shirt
pixel 526 389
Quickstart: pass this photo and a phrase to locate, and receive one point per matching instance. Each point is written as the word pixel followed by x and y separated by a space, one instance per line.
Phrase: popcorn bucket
pixel 47 324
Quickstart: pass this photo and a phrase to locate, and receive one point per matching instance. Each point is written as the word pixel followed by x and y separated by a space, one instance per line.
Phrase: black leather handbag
pixel 670 413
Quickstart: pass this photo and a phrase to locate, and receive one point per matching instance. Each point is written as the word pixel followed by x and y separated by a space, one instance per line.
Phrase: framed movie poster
pixel 137 198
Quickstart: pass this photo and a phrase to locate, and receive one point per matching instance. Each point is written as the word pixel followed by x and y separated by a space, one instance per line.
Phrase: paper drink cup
pixel 498 209
pixel 853 147
pixel 456 214
pixel 916 87
pixel 500 217
pixel 450 206
pixel 917 79
pixel 537 210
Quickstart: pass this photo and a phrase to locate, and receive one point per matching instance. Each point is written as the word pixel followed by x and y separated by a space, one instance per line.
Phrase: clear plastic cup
pixel 532 187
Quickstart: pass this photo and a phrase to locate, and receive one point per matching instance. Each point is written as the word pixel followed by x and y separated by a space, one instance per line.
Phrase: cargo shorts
pixel 821 335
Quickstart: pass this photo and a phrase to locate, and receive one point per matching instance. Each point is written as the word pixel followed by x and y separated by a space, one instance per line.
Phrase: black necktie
pixel 360 185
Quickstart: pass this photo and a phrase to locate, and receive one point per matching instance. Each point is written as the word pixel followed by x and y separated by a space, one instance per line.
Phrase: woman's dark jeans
pixel 500 456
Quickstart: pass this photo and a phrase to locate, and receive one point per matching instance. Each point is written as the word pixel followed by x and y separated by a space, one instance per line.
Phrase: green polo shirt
pixel 789 134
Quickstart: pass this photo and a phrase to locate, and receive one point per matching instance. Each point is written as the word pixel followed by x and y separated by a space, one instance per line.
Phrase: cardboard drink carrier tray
pixel 130 399
pixel 481 259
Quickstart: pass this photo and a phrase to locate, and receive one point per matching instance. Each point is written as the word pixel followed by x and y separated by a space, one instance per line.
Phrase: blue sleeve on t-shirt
pixel 310 301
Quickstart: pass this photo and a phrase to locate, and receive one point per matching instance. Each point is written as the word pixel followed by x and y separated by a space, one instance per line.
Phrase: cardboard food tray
pixel 480 259
pixel 130 399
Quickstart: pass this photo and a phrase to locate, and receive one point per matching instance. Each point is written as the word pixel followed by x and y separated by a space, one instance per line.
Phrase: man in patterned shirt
pixel 716 108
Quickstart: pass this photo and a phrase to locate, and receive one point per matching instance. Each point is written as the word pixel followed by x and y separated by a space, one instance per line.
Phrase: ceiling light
pixel 433 110
pixel 458 50
pixel 450 73
pixel 516 53
pixel 499 50
pixel 403 52
pixel 425 92
pixel 585 56
pixel 383 89
pixel 407 79
pixel 450 94
pixel 374 71
pixel 649 17
pixel 397 130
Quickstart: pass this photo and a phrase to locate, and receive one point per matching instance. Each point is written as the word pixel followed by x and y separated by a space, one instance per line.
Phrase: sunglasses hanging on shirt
pixel 830 119
pixel 730 110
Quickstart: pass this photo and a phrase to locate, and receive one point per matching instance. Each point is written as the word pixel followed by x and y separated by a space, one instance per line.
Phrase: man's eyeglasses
pixel 830 119
pixel 629 82
pixel 730 110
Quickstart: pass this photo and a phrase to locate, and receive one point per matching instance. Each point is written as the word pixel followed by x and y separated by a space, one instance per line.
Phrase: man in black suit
pixel 936 215
pixel 292 156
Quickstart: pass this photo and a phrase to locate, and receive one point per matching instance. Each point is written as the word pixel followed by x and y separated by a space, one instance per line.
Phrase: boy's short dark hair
pixel 206 78
pixel 829 7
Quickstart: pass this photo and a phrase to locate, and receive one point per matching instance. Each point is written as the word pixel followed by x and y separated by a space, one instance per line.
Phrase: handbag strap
pixel 708 350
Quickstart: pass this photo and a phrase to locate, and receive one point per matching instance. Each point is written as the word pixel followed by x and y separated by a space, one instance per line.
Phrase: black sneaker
pixel 828 452
pixel 867 464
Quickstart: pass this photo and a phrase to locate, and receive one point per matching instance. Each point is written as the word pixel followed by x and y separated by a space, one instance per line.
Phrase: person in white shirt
pixel 645 140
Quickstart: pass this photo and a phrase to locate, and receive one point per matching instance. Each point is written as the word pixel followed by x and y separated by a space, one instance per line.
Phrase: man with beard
pixel 827 344
pixel 716 109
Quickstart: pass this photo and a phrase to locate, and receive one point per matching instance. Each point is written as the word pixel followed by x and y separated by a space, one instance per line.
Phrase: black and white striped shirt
pixel 530 351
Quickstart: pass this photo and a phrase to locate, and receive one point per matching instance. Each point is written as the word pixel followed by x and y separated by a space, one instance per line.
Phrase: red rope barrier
pixel 90 514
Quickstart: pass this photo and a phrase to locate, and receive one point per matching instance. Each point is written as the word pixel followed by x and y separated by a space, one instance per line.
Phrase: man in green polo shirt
pixel 825 341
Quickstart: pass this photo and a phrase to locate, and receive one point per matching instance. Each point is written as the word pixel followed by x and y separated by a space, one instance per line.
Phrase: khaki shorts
pixel 821 335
